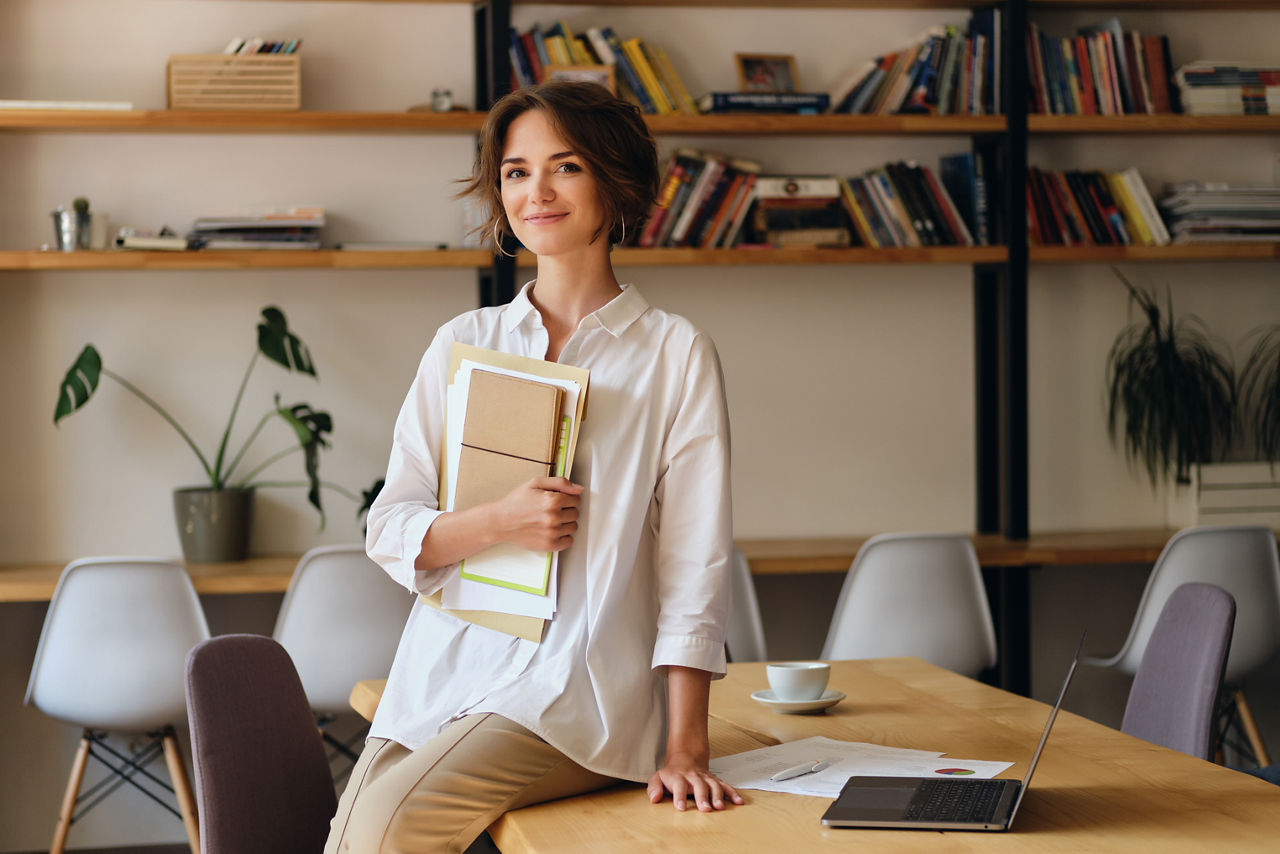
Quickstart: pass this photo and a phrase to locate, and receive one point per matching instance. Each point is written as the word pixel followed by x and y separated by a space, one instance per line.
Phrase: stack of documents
pixel 840 760
pixel 508 419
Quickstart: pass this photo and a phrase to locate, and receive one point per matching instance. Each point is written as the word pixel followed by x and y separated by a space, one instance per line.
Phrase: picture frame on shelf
pixel 601 75
pixel 767 72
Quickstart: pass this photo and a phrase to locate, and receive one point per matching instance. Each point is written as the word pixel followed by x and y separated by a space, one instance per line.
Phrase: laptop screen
pixel 1044 736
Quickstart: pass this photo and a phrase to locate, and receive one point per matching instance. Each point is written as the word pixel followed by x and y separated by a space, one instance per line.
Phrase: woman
pixel 473 721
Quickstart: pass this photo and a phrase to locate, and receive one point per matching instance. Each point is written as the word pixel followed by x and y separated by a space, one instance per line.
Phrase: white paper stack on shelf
pixel 1199 212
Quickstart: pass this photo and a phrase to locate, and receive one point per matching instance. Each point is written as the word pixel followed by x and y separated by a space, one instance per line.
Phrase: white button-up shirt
pixel 645 583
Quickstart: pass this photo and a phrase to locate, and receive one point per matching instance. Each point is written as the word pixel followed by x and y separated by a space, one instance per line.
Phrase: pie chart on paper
pixel 955 772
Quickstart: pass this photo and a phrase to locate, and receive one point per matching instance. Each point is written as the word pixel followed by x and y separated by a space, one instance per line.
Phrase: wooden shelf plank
pixel 1130 5
pixel 238 121
pixel 859 255
pixel 246 260
pixel 35 582
pixel 746 124
pixel 1177 252
pixel 1141 124
pixel 312 121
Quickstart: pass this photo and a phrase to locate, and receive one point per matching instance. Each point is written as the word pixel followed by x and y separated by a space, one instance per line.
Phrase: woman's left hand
pixel 683 776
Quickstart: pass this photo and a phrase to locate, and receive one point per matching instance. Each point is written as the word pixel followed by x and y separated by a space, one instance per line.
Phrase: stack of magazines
pixel 1229 89
pixel 1200 211
pixel 294 228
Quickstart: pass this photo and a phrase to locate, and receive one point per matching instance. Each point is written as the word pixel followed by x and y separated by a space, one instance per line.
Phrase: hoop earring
pixel 497 242
pixel 623 238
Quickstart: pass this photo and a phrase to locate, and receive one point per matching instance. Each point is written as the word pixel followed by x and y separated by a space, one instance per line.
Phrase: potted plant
pixel 1171 394
pixel 213 518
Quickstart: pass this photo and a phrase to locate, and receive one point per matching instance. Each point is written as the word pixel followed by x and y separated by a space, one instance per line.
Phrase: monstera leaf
pixel 281 346
pixel 79 384
pixel 310 427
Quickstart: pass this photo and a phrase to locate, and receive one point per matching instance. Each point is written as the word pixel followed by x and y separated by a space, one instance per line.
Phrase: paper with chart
pixel 505 578
pixel 752 769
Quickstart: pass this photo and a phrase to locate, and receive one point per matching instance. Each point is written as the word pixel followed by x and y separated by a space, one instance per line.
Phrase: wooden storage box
pixel 220 81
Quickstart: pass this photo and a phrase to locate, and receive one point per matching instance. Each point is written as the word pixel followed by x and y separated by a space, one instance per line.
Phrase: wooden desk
pixel 1095 789
pixel 36 582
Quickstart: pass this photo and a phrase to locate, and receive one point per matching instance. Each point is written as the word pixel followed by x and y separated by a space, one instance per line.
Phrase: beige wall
pixel 850 387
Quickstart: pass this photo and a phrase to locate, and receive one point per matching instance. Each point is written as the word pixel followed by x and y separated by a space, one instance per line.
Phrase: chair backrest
pixel 340 622
pixel 745 635
pixel 915 594
pixel 262 776
pixel 1241 560
pixel 1175 691
pixel 115 637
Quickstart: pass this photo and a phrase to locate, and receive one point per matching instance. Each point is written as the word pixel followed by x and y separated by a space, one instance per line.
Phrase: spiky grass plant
pixel 1260 393
pixel 1171 393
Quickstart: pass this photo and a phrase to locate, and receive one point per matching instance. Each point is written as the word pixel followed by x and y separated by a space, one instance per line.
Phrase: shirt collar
pixel 615 316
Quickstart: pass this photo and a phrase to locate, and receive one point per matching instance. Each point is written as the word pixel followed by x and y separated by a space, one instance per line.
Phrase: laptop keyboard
pixel 956 800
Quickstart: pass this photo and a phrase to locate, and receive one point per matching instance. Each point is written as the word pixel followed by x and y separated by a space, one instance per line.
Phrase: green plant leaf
pixel 281 346
pixel 310 427
pixel 1260 392
pixel 369 495
pixel 1171 394
pixel 79 384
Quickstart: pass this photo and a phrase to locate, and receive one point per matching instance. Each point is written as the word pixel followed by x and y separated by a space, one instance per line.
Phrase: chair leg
pixel 69 798
pixel 182 790
pixel 1251 729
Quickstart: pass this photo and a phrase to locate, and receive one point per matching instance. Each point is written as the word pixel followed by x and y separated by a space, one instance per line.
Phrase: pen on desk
pixel 799 770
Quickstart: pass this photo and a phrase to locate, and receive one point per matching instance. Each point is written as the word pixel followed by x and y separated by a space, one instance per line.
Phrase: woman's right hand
pixel 541 515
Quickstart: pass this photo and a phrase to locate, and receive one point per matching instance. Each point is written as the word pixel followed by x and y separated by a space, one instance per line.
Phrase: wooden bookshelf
pixel 304 121
pixel 858 255
pixel 1137 5
pixel 1260 251
pixel 238 121
pixel 757 124
pixel 263 259
pixel 1143 124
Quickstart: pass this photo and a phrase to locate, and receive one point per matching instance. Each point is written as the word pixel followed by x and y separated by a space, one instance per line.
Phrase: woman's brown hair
pixel 608 133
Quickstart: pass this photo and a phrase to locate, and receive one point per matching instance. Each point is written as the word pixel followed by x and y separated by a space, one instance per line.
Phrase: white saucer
pixel 796 707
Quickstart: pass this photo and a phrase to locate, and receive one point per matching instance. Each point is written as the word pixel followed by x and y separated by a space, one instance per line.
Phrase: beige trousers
pixel 443 795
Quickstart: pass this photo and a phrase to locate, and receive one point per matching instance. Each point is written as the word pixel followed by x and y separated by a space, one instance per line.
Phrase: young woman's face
pixel 551 200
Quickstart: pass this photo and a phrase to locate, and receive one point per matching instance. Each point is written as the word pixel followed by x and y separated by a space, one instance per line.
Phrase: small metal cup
pixel 66 230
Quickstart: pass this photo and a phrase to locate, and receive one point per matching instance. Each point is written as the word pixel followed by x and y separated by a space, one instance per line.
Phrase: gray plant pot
pixel 213 524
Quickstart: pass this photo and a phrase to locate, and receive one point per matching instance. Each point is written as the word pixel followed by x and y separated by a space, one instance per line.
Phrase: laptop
pixel 941 803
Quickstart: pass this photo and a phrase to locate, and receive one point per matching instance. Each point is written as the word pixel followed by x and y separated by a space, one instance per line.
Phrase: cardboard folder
pixel 510 435
pixel 530 628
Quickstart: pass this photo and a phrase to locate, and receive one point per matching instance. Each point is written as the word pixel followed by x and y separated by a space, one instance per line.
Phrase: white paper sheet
pixel 752 769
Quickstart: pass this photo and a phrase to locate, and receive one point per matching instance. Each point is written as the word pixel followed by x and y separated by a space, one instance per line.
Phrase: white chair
pixel 1240 559
pixel 915 594
pixel 744 637
pixel 340 622
pixel 111 659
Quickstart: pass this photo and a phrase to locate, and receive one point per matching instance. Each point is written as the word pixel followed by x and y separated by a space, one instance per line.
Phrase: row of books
pixel 1199 211
pixel 711 201
pixel 642 72
pixel 294 228
pixel 1220 89
pixel 1101 70
pixel 944 72
pixel 1092 207
pixel 242 46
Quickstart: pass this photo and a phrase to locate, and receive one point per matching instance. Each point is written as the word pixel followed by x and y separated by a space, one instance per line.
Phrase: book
pixel 629 75
pixel 897 82
pixel 165 243
pixel 738 215
pixel 670 79
pixel 959 176
pixel 849 84
pixel 761 102
pixel 947 205
pixel 857 216
pixel 648 79
pixel 809 237
pixel 1146 205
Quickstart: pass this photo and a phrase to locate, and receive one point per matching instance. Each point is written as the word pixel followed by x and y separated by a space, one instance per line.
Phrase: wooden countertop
pixel 35 582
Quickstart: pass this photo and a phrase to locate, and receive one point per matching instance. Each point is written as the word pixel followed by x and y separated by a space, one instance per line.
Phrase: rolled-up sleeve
pixel 408 503
pixel 695 521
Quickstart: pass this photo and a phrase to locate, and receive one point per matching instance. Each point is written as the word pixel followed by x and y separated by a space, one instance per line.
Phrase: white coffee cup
pixel 796 681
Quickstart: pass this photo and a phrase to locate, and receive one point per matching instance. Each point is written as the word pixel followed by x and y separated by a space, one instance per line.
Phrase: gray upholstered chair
pixel 1175 691
pixel 262 777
